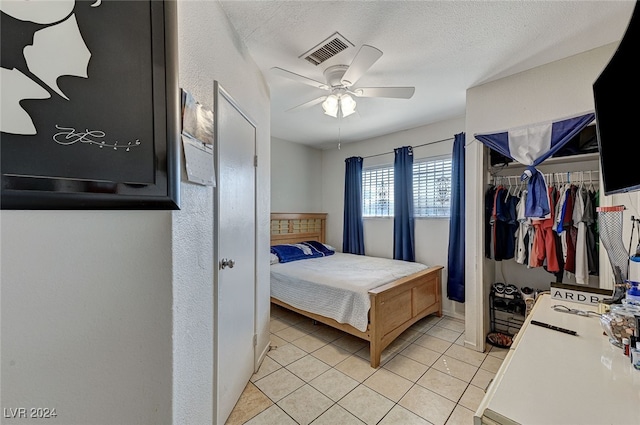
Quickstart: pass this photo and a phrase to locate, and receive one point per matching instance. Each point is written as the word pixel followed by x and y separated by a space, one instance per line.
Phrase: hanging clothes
pixel 501 223
pixel 522 232
pixel 488 221
pixel 545 239
pixel 582 262
pixel 500 217
pixel 565 241
pixel 558 225
pixel 590 218
pixel 571 231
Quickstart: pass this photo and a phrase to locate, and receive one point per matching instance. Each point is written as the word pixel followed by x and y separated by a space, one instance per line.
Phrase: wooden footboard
pixel 398 305
pixel 394 308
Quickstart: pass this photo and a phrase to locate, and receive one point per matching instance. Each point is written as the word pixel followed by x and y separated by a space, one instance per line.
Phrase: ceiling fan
pixel 340 82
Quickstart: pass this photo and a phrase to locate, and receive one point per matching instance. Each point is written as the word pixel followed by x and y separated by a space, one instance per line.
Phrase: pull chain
pixel 339 126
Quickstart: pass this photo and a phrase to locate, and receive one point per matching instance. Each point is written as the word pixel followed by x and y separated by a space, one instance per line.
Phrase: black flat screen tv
pixel 616 93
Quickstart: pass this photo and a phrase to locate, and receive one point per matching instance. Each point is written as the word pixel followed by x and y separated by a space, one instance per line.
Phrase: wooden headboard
pixel 297 227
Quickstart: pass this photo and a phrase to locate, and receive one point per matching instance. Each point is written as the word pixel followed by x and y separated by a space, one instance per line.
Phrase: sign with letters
pixel 578 293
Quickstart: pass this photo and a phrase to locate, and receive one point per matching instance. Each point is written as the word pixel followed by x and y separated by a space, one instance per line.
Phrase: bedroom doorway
pixel 234 252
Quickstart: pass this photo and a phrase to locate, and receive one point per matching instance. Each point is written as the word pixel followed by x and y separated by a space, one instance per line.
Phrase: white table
pixel 549 377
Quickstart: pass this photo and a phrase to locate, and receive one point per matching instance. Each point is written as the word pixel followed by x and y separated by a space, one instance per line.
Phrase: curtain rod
pixel 418 146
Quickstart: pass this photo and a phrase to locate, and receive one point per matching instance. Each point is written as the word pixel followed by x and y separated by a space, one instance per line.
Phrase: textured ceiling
pixel 440 47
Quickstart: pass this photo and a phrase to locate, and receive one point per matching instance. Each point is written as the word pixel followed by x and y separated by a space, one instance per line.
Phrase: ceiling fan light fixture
pixel 330 105
pixel 340 79
pixel 347 105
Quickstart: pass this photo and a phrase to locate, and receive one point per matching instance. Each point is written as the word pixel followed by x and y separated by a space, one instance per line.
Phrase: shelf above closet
pixel 583 167
pixel 582 158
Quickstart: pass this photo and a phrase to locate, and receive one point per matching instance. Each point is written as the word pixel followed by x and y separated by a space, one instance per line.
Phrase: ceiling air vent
pixel 327 49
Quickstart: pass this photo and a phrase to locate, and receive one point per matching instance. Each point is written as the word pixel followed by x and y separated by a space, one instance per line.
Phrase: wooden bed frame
pixel 395 306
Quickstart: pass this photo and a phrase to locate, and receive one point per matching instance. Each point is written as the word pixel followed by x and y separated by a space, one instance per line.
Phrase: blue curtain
pixel 403 221
pixel 455 262
pixel 352 231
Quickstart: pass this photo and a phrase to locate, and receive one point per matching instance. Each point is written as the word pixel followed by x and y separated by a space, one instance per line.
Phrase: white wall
pixel 107 316
pixel 86 315
pixel 210 50
pixel 378 233
pixel 296 184
pixel 549 92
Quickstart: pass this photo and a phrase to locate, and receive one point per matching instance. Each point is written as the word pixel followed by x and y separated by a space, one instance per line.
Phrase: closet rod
pixel 564 177
pixel 417 146
pixel 557 174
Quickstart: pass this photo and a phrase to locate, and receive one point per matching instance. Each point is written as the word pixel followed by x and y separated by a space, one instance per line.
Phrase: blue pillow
pixel 320 247
pixel 300 251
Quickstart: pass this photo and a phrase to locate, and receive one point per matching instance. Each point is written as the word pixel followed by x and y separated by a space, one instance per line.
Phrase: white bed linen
pixel 336 286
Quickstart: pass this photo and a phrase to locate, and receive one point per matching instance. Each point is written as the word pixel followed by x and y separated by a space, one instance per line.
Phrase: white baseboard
pixel 453 315
pixel 263 354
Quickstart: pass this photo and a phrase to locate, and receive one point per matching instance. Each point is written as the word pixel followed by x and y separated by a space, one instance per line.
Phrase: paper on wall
pixel 199 161
pixel 197 141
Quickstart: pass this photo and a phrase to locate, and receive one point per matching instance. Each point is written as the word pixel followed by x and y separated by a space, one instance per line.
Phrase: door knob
pixel 227 263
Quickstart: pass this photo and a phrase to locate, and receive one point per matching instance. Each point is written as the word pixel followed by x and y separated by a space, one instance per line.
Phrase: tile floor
pixel 317 375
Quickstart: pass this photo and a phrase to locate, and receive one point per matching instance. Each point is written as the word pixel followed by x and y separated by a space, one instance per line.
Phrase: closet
pixel 532 252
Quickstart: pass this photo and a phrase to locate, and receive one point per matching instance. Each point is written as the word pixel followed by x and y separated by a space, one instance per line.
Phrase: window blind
pixel 432 187
pixel 377 192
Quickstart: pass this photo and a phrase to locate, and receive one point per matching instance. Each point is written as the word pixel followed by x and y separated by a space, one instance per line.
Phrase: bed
pixel 393 306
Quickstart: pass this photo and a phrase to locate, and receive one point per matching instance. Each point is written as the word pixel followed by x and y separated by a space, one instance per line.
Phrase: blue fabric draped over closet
pixel 532 144
pixel 403 220
pixel 352 231
pixel 455 262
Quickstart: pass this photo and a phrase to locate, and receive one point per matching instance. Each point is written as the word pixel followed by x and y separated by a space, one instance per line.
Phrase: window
pixel 377 192
pixel 431 189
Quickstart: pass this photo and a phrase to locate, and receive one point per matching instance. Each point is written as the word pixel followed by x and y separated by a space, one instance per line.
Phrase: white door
pixel 234 247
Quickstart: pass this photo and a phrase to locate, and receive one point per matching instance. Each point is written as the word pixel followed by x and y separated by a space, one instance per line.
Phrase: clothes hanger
pixel 591 186
pixel 510 190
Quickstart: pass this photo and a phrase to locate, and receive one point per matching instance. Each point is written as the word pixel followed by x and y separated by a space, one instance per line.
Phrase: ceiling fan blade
pixel 308 104
pixel 299 78
pixel 366 56
pixel 393 92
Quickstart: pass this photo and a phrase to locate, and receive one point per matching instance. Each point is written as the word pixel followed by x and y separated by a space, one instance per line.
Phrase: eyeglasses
pixel 564 309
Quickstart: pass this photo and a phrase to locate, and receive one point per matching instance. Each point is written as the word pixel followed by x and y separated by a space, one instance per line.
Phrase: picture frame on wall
pixel 90 115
